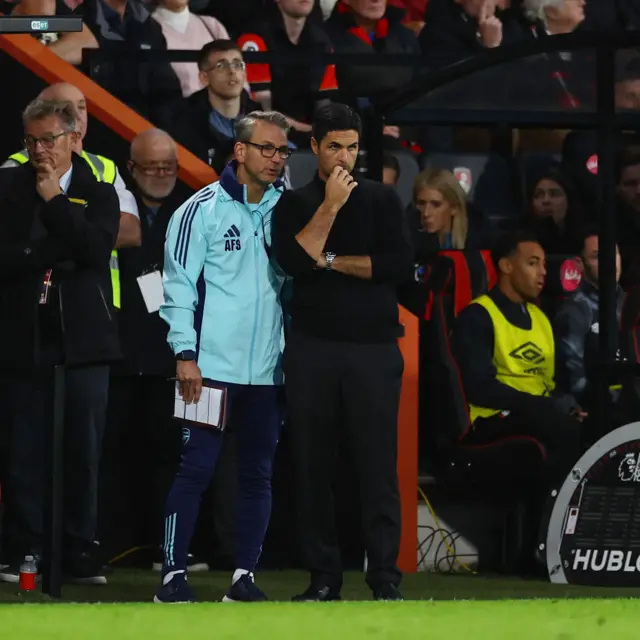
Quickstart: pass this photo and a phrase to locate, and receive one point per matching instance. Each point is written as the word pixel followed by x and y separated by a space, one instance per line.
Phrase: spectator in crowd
pixel 370 27
pixel 58 226
pixel 444 220
pixel 237 15
pixel 67 46
pixel 103 169
pixel 576 327
pixel 346 247
pixel 185 30
pixel 628 214
pixel 390 170
pixel 552 17
pixel 207 123
pixel 117 26
pixel 459 29
pixel 580 148
pixel 142 442
pixel 554 214
pixel 564 78
pixel 503 344
pixel 231 335
pixel 293 88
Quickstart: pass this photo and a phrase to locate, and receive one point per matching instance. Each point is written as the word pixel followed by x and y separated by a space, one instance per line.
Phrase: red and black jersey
pixel 295 86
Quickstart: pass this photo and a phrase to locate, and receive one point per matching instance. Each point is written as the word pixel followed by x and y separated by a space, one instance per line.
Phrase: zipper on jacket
pixel 255 315
pixel 104 302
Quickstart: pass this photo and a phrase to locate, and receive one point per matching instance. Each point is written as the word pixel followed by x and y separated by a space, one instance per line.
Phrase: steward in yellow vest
pixel 104 170
pixel 504 347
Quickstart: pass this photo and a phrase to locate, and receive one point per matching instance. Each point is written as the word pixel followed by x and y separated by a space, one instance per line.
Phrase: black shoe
pixel 318 593
pixel 244 590
pixel 387 591
pixel 84 568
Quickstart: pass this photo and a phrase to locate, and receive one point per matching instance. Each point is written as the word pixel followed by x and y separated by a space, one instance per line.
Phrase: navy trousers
pixel 255 414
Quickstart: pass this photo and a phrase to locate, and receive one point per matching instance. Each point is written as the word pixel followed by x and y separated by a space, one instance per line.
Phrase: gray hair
pixel 536 9
pixel 246 125
pixel 40 109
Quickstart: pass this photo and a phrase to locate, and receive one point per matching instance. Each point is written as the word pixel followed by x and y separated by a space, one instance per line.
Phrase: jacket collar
pixel 235 190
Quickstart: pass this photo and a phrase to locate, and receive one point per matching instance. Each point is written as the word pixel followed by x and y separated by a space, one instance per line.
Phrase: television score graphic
pixel 40 24
pixel 594 530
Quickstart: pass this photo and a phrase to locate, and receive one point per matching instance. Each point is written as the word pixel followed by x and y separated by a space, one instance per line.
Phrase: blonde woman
pixel 442 204
pixel 445 219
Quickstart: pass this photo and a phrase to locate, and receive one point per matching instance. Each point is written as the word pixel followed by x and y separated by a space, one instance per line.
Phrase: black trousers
pixel 333 386
pixel 29 400
pixel 141 455
pixel 560 434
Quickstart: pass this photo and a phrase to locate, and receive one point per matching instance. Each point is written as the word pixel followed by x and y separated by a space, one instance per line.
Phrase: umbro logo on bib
pixel 232 239
pixel 528 352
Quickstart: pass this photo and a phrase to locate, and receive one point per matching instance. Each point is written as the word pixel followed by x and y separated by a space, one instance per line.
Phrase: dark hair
pixel 628 157
pixel 507 244
pixel 334 117
pixel 215 46
pixel 555 175
pixel 389 161
pixel 587 231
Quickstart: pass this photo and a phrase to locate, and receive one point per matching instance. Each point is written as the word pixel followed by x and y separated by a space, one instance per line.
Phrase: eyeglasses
pixel 169 168
pixel 48 142
pixel 269 151
pixel 225 65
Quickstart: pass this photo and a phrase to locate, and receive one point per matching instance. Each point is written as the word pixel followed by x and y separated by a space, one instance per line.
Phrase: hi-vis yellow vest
pixel 105 171
pixel 524 360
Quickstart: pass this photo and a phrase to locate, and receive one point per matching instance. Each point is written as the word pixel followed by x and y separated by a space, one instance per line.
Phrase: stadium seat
pixel 498 474
pixel 409 169
pixel 302 166
pixel 564 275
pixel 487 179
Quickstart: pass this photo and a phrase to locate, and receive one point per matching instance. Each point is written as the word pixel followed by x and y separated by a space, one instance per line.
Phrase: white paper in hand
pixel 151 289
pixel 208 411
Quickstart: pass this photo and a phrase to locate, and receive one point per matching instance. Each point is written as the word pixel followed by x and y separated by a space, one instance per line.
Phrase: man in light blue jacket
pixel 222 304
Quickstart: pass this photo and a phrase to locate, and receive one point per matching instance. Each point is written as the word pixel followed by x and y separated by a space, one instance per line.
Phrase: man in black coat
pixel 58 226
pixel 346 247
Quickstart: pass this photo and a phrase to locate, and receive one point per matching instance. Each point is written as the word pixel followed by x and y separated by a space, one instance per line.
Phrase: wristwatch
pixel 329 258
pixel 186 355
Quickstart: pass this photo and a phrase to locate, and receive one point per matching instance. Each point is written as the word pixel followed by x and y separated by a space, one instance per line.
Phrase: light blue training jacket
pixel 221 289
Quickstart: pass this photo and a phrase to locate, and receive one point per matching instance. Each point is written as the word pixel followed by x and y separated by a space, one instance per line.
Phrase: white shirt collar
pixel 65 180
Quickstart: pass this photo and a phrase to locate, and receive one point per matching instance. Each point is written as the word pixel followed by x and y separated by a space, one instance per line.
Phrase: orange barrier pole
pixel 408 443
pixel 101 104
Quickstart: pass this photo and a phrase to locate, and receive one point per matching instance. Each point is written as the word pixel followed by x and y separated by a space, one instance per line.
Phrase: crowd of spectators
pixel 197 105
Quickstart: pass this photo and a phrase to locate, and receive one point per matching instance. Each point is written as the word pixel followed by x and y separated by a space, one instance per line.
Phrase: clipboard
pixel 210 412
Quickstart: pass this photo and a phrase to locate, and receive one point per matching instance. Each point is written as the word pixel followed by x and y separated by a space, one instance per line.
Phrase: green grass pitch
pixel 455 607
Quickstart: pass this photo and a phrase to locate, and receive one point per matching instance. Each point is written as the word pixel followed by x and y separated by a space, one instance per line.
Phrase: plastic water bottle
pixel 28 575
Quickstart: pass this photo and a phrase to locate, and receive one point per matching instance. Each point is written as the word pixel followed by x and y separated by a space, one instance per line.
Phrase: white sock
pixel 238 573
pixel 169 577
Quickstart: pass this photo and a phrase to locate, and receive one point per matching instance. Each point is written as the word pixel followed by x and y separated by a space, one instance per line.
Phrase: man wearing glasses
pixel 142 443
pixel 206 126
pixel 222 293
pixel 58 226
